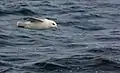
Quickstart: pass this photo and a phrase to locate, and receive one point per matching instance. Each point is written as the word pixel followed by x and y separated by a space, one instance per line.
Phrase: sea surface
pixel 87 39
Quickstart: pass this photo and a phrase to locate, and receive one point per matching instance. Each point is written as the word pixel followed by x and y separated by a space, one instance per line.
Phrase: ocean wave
pixel 51 66
pixel 103 5
pixel 107 38
pixel 88 16
pixel 5 36
pixel 90 28
pixel 4 40
pixel 4 43
pixel 22 11
pixel 73 63
pixel 86 62
pixel 4 63
pixel 5 70
pixel 102 63
pixel 96 50
pixel 14 59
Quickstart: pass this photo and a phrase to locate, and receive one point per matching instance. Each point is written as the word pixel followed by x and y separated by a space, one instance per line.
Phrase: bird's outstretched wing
pixel 33 19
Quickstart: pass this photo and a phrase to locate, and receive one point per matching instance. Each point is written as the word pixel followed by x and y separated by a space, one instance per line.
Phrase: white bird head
pixel 51 23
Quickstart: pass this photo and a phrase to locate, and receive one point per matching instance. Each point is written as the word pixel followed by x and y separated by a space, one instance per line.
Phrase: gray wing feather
pixel 32 19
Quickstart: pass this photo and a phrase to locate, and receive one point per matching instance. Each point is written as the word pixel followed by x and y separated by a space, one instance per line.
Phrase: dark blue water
pixel 87 39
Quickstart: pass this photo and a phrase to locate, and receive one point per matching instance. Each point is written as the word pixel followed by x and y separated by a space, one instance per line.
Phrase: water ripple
pixel 22 11
pixel 86 40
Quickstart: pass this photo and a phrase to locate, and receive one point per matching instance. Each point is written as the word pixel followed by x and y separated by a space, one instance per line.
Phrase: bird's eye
pixel 53 24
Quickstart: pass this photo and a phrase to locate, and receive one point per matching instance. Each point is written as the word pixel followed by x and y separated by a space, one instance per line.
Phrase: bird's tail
pixel 20 24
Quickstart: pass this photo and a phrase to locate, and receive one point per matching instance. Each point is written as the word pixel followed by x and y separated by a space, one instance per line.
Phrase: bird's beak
pixel 55 26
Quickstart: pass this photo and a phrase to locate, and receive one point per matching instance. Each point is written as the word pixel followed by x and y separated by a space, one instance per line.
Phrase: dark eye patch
pixel 53 23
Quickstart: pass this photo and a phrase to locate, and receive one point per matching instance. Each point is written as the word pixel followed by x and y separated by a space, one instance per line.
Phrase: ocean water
pixel 87 39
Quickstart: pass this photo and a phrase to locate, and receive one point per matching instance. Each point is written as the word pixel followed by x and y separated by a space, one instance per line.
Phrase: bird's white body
pixel 36 23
